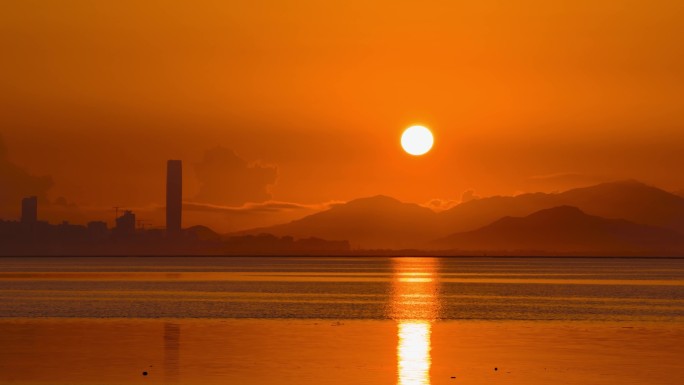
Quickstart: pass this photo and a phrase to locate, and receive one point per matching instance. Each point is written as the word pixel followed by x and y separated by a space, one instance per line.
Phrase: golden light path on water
pixel 415 306
pixel 413 353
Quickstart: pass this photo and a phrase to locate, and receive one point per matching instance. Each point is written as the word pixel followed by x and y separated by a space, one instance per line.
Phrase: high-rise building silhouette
pixel 174 196
pixel 29 210
pixel 125 224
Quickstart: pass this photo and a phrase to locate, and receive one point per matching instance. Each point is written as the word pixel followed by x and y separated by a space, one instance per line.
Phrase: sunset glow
pixel 306 103
pixel 341 192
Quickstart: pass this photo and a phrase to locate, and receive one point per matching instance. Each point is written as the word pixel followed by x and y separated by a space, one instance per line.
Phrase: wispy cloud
pixel 566 176
pixel 258 208
pixel 562 181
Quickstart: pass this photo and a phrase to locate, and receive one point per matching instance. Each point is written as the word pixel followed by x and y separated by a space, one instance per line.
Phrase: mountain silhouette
pixel 384 222
pixel 202 233
pixel 565 229
pixel 369 223
pixel 630 200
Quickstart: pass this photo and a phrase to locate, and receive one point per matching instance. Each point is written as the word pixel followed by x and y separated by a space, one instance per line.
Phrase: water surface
pixel 192 320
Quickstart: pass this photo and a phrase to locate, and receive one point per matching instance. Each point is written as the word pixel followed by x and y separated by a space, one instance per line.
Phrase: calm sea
pixel 308 320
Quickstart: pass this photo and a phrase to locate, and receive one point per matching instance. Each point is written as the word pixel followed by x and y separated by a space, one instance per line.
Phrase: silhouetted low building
pixel 29 210
pixel 97 230
pixel 67 233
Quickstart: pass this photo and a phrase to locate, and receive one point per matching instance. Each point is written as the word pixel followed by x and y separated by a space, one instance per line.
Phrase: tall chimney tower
pixel 174 197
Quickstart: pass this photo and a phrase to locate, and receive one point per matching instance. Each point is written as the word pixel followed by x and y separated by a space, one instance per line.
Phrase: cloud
pixel 468 195
pixel 440 204
pixel 445 204
pixel 562 181
pixel 16 183
pixel 249 215
pixel 227 179
pixel 257 208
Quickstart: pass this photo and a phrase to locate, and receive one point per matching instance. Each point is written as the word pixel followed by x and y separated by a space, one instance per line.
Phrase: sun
pixel 417 140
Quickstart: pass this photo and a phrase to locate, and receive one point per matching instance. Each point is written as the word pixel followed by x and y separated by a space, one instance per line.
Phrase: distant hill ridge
pixel 565 229
pixel 384 222
pixel 630 199
pixel 374 222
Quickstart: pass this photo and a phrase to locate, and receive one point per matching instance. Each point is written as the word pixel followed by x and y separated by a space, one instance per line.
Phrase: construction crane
pixel 141 223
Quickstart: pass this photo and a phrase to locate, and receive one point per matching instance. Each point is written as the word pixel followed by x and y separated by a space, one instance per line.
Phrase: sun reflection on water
pixel 415 306
pixel 413 353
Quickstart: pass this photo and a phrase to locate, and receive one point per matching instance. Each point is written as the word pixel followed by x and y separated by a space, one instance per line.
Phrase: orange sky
pixel 98 94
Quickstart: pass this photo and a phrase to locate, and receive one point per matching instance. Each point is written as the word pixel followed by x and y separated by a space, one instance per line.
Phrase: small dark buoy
pixel 144 373
pixel 495 369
